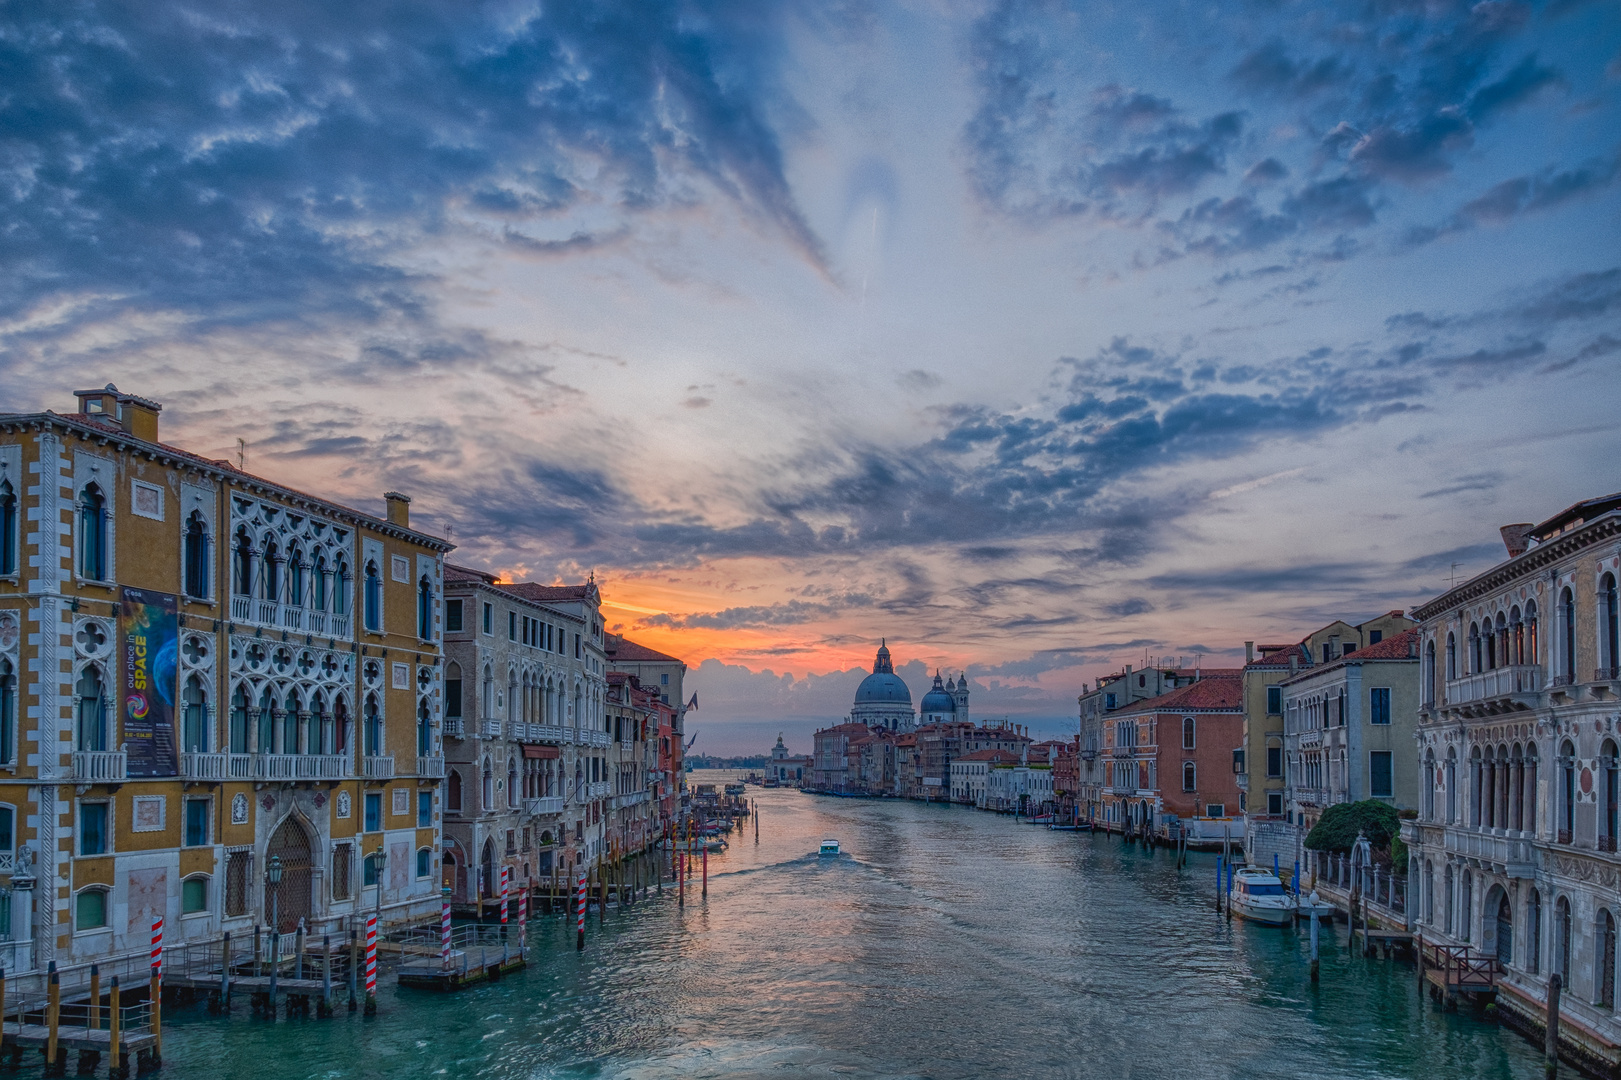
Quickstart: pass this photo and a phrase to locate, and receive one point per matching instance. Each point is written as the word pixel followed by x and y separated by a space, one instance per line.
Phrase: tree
pixel 1337 829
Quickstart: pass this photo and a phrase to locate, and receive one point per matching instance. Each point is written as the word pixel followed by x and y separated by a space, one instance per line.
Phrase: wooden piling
pixel 298 951
pixel 275 968
pixel 354 970
pixel 706 870
pixel 1550 1045
pixel 53 1014
pixel 157 1016
pixel 326 976
pixel 225 973
pixel 602 895
pixel 257 969
pixel 93 1015
pixel 115 1067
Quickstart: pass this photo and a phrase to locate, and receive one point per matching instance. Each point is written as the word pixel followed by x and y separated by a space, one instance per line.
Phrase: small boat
pixel 1260 897
pixel 715 843
pixel 1306 906
pixel 829 847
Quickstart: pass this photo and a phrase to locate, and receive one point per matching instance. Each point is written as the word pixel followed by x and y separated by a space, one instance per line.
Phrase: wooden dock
pixel 460 973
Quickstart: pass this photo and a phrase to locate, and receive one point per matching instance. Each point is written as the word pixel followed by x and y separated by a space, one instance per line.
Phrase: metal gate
pixel 291 899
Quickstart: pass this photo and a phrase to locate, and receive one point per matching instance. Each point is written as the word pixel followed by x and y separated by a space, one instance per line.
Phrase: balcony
pixel 377 767
pixel 432 767
pixel 100 766
pixel 453 727
pixel 598 790
pixel 518 731
pixel 285 767
pixel 1510 855
pixel 541 807
pixel 490 729
pixel 633 798
pixel 595 738
pixel 205 766
pixel 1493 691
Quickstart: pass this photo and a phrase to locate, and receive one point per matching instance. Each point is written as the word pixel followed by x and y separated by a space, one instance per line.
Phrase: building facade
pixel 1174 754
pixel 883 699
pixel 1514 850
pixel 204 673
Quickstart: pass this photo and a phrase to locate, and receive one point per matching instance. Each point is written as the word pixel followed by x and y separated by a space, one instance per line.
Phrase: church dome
pixel 937 700
pixel 883 687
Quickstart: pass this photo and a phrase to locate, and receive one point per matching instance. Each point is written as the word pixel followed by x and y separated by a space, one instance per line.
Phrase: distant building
pixel 787 769
pixel 883 699
pixel 970 772
pixel 1174 754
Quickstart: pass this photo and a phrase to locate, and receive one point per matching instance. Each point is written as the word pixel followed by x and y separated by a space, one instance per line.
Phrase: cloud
pixel 1522 83
pixel 1486 481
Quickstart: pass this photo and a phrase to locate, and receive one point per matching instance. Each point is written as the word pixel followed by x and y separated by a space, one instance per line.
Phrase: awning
pixel 543 752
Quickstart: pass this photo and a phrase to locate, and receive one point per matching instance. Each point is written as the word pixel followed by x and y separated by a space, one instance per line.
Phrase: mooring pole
pixel 706 870
pixel 225 973
pixel 1550 1047
pixel 579 914
pixel 53 1008
pixel 354 969
pixel 1314 942
pixel 115 1067
pixel 93 1019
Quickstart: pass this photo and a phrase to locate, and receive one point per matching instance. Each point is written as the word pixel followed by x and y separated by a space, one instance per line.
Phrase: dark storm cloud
pixel 268 160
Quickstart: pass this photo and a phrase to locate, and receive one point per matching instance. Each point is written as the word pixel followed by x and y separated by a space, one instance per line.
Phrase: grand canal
pixel 943 943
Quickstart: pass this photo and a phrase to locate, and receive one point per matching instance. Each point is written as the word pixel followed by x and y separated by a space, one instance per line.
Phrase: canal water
pixel 943 943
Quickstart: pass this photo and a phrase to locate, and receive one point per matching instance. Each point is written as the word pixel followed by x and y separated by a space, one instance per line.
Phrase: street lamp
pixel 380 860
pixel 273 879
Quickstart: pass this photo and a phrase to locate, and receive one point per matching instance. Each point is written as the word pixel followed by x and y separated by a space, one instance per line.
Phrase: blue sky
pixel 1036 337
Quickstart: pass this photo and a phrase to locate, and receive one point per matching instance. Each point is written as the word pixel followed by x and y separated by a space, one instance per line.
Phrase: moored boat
pixel 829 847
pixel 1259 896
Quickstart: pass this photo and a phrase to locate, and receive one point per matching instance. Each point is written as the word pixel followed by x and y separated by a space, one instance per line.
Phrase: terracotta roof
pixel 988 755
pixel 1402 646
pixel 1219 689
pixel 627 651
pixel 463 573
pixel 1277 656
pixel 550 593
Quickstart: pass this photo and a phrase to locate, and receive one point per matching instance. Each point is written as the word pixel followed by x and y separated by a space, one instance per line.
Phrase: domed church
pixel 946 701
pixel 882 699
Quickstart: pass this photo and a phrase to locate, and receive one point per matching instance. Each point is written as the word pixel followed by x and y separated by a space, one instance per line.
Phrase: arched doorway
pixel 291 899
pixel 1504 928
pixel 449 871
pixel 486 883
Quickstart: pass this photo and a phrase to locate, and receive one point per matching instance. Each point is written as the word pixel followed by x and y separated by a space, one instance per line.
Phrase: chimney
pixel 399 509
pixel 1294 659
pixel 136 415
pixel 1249 652
pixel 1517 538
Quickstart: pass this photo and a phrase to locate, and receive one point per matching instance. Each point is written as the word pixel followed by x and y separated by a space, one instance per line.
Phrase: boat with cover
pixel 829 847
pixel 1259 896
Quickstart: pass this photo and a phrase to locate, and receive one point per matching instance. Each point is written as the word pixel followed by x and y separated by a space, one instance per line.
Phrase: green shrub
pixel 1337 829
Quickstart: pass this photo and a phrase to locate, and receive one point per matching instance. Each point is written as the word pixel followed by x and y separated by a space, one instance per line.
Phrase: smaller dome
pixel 937 700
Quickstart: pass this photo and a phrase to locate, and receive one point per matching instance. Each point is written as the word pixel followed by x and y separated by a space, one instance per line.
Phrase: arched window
pixel 1567 792
pixel 194 717
pixel 1429 672
pixel 267 721
pixel 1476 791
pixel 340 586
pixel 1606 959
pixel 486 710
pixel 424 729
pixel 1452 656
pixel 340 726
pixel 1532 655
pixel 1466 907
pixel 1609 794
pixel 295 576
pixel 239 720
pixel 1187 733
pixel 1567 635
pixel 512 695
pixel 1612 628
pixel 8 712
pixel 374 598
pixel 320 725
pixel 453 792
pixel 1429 786
pixel 1429 892
pixel 91 713
pixel 1505 930
pixel 1516 636
pixel 425 609
pixel 92 533
pixel 372 719
pixel 318 583
pixel 8 529
pixel 196 556
pixel 1190 776
pixel 1533 933
pixel 270 572
pixel 487 788
pixel 290 724
pixel 1563 931
pixel 424 862
pixel 1475 666
pixel 512 782
pixel 1452 785
pixel 1490 644
pixel 1530 783
pixel 1446 912
pixel 242 560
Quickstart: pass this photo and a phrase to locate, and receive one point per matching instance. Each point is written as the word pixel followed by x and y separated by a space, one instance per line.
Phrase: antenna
pixel 241 454
pixel 1454 575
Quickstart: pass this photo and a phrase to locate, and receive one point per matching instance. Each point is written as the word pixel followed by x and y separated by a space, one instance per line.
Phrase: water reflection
pixel 940 943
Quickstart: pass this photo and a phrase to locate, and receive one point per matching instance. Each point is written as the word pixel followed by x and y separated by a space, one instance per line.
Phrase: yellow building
pixel 202 672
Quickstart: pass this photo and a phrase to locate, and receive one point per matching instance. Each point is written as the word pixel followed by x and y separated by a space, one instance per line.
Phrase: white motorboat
pixel 1306 905
pixel 829 847
pixel 1259 896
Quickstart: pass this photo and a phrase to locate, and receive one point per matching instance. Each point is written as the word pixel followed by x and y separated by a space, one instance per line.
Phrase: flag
pixel 693 704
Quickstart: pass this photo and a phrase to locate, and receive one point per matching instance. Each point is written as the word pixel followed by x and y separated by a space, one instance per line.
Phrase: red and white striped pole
pixel 503 896
pixel 579 912
pixel 157 947
pixel 523 917
pixel 444 927
pixel 371 964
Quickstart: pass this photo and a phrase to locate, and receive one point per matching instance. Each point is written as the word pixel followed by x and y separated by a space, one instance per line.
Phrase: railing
pixel 100 766
pixel 432 767
pixel 199 766
pixel 1564 836
pixel 1499 682
pixel 594 738
pixel 453 727
pixel 632 798
pixel 1461 967
pixel 1506 851
pixel 551 804
pixel 1606 673
pixel 264 611
pixel 292 617
pixel 284 766
pixel 339 627
pixel 242 608
pixel 490 729
pixel 315 622
pixel 519 731
pixel 597 790
pixel 377 767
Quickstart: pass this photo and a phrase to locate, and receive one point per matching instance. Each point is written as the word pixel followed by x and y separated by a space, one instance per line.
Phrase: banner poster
pixel 151 634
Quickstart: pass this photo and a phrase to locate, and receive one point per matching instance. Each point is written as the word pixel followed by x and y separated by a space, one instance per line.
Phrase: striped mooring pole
pixel 523 918
pixel 444 927
pixel 579 912
pixel 157 990
pixel 371 965
pixel 503 900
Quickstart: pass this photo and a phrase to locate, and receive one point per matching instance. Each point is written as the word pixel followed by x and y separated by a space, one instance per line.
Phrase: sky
pixel 1034 337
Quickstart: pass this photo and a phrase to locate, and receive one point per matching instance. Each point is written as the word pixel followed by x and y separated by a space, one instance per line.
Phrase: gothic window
pixel 340 726
pixel 1531 654
pixel 289 724
pixel 1609 793
pixel 239 721
pixel 318 583
pixel 1533 933
pixel 1516 636
pixel 1567 635
pixel 8 529
pixel 1562 931
pixel 424 730
pixel 1474 649
pixel 242 561
pixel 1429 673
pixel 374 598
pixel 92 533
pixel 320 725
pixel 512 782
pixel 487 788
pixel 295 576
pixel 270 572
pixel 1605 960
pixel 267 721
pixel 1567 792
pixel 91 713
pixel 194 717
pixel 196 556
pixel 1452 785
pixel 1611 631
pixel 340 586
pixel 8 712
pixel 1531 787
pixel 372 718
pixel 1452 656
pixel 425 609
pixel 453 792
